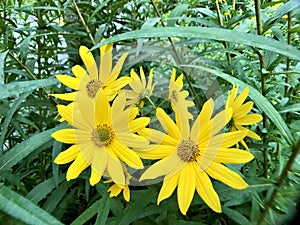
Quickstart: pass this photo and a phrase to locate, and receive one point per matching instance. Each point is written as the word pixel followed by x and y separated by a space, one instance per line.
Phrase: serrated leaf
pixel 219 34
pixel 21 208
pixel 16 88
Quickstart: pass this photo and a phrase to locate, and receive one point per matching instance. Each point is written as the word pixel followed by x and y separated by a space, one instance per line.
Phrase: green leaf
pixel 8 118
pixel 219 34
pixel 103 210
pixel 258 98
pixel 40 191
pixel 17 88
pixel 236 216
pixel 20 151
pixel 2 63
pixel 21 208
pixel 177 11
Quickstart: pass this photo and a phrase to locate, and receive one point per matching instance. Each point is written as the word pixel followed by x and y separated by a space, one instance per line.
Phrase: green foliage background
pixel 40 39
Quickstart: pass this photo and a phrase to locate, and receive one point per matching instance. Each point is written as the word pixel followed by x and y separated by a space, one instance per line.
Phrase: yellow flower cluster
pixel 109 135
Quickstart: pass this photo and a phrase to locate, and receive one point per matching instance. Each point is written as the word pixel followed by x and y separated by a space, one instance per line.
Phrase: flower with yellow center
pixel 190 156
pixel 115 189
pixel 240 113
pixel 177 96
pixel 141 90
pixel 101 138
pixel 91 79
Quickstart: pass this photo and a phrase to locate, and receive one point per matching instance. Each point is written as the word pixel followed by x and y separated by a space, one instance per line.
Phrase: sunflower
pixel 189 156
pixel 89 81
pixel 177 96
pixel 141 90
pixel 240 113
pixel 101 138
pixel 115 189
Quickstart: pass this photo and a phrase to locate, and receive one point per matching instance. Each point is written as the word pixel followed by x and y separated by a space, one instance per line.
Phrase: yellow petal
pixel 241 98
pixel 114 190
pixel 133 140
pixel 65 136
pixel 157 137
pixel 168 188
pixel 158 152
pixel 138 124
pixel 68 155
pixel 168 124
pixel 116 70
pixel 203 117
pixel 67 96
pixel 186 187
pixel 77 167
pixel 231 96
pixel 99 163
pixel 127 155
pixel 69 81
pixel 115 170
pixel 126 193
pixel 248 119
pixel 102 109
pixel 86 109
pixel 105 61
pixel 119 84
pixel 167 166
pixel 78 71
pixel 66 112
pixel 242 110
pixel 89 62
pixel 225 175
pixel 233 156
pixel 207 192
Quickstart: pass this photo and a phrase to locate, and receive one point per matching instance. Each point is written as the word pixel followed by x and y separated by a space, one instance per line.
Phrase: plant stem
pixel 295 151
pixel 179 61
pixel 288 60
pixel 83 23
pixel 263 81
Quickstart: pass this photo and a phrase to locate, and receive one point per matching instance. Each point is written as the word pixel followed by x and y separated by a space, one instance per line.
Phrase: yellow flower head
pixel 140 88
pixel 91 79
pixel 177 96
pixel 240 112
pixel 115 189
pixel 101 138
pixel 190 156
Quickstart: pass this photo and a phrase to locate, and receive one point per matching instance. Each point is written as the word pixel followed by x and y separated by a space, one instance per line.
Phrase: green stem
pixel 83 23
pixel 295 151
pixel 179 61
pixel 263 82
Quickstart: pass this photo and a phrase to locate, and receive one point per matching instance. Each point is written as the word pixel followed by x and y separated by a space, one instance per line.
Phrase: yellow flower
pixel 177 96
pixel 101 138
pixel 227 13
pixel 140 88
pixel 89 81
pixel 240 112
pixel 115 189
pixel 190 156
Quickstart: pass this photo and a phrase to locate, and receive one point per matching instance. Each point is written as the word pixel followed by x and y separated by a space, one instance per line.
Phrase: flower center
pixel 188 151
pixel 174 96
pixel 103 135
pixel 92 87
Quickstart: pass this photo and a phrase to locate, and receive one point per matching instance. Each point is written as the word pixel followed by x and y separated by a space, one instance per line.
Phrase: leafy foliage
pixel 216 44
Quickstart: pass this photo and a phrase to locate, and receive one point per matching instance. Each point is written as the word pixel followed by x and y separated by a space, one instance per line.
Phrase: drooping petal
pixel 186 187
pixel 206 191
pixel 99 163
pixel 65 136
pixel 114 190
pixel 67 155
pixel 126 193
pixel 225 175
pixel 89 62
pixel 168 187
